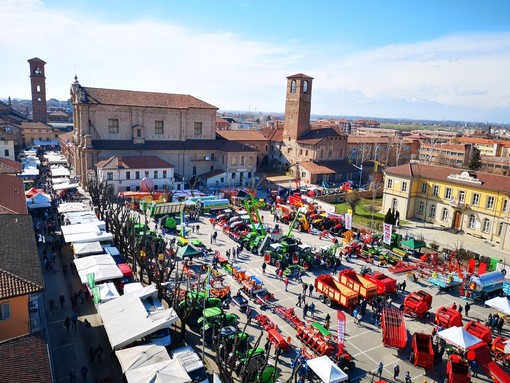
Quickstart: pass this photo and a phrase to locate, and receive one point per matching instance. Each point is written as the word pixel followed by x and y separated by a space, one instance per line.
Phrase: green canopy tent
pixel 413 244
pixel 188 251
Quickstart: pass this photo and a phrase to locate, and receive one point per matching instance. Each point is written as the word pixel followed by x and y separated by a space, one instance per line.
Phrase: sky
pixel 421 59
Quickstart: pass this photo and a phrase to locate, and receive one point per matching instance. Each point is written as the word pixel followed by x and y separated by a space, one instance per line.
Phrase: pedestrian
pixel 407 377
pixel 286 283
pixel 192 228
pixel 310 289
pixel 197 228
pixel 228 256
pixel 215 236
pixel 87 325
pixel 67 323
pixel 212 238
pixel 263 267
pixel 467 306
pixel 84 369
pixel 303 297
pixel 312 310
pixel 380 368
pixel 92 354
pixel 72 376
pixel 396 371
pixel 454 306
pixel 305 310
pixel 474 368
pixel 74 320
pixel 327 322
pixel 298 304
pixel 99 351
pixel 280 274
pixel 360 318
pixel 62 300
pixel 355 316
pixel 298 276
pixel 305 287
pixel 403 286
pixel 52 305
pixel 64 268
pixel 499 325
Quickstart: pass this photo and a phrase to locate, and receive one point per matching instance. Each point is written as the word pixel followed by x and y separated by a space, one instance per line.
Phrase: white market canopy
pixel 30 172
pixel 459 337
pixel 83 228
pixel 328 371
pixel 103 266
pixel 140 356
pixel 55 159
pixel 78 217
pixel 126 320
pixel 87 248
pixel 64 186
pixel 107 292
pixel 88 237
pixel 161 372
pixel 71 207
pixel 60 172
pixel 500 303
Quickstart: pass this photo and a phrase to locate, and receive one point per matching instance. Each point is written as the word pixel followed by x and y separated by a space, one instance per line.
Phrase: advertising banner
pixel 348 221
pixel 96 294
pixel 387 228
pixel 340 316
pixel 91 280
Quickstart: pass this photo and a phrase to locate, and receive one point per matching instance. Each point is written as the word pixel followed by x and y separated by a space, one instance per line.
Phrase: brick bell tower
pixel 38 83
pixel 298 104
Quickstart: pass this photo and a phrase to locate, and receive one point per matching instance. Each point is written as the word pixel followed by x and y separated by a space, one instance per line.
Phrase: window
pixel 471 222
pixel 234 160
pixel 293 86
pixel 109 176
pixel 390 183
pixel 138 133
pixel 448 193
pixel 300 152
pixel 444 215
pixel 137 175
pixel 164 173
pixel 462 196
pixel 156 174
pixel 198 128
pixel 6 152
pixel 421 208
pixel 475 200
pixel 505 202
pixel 306 152
pixel 303 174
pixel 404 186
pixel 394 204
pixel 432 212
pixel 241 162
pixel 249 175
pixel 305 86
pixel 234 176
pixel 113 125
pixel 500 229
pixel 490 203
pixel 194 170
pixel 128 175
pixel 424 188
pixel 146 173
pixel 435 190
pixel 486 225
pixel 5 311
pixel 159 127
pixel 266 148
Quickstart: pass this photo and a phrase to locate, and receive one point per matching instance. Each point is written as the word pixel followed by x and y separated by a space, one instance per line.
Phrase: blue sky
pixel 401 59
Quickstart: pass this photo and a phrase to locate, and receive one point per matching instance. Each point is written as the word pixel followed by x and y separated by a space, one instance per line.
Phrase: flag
pixel 348 221
pixel 387 228
pixel 96 294
pixel 207 283
pixel 340 317
pixel 91 280
pixel 183 225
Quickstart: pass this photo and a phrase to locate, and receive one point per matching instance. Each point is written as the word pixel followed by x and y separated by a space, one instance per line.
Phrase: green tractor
pixel 304 256
pixel 254 368
pixel 198 305
pixel 252 241
pixel 277 256
pixel 215 318
pixel 230 337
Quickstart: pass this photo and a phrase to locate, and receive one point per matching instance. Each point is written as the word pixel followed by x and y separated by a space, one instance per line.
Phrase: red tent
pixel 32 192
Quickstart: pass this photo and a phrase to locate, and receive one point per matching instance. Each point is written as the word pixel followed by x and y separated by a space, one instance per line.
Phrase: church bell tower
pixel 298 105
pixel 38 83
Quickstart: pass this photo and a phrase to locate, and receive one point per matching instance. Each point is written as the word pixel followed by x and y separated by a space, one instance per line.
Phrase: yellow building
pixel 474 202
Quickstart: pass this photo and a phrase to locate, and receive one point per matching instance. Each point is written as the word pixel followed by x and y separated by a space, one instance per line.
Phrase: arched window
pixel 305 86
pixel 138 132
pixel 394 204
pixel 444 214
pixel 293 86
pixel 486 225
pixel 471 222
pixel 38 88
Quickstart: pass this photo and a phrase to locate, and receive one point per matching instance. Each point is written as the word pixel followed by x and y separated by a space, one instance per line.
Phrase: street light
pixel 360 172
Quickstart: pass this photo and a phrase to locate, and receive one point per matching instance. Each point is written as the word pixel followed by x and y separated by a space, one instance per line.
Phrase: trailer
pixel 445 281
pixel 331 290
pixel 447 317
pixel 385 284
pixel 480 331
pixel 359 284
pixel 422 354
pixel 457 370
pixel 500 349
pixel 240 302
pixel 486 285
pixel 417 304
pixel 393 327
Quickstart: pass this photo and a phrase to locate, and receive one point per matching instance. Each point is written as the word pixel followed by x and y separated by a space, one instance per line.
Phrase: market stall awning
pixel 188 251
pixel 140 356
pixel 326 370
pixel 413 244
pixel 169 371
pixel 499 303
pixel 459 337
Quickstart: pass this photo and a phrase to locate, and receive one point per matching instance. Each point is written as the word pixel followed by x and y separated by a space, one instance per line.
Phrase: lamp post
pixel 360 172
pixel 207 288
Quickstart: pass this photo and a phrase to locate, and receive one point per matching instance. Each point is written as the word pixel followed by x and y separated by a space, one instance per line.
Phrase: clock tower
pixel 298 104
pixel 38 83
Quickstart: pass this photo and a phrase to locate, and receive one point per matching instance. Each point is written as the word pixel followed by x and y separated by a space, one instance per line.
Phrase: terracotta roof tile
pixel 25 359
pixel 242 135
pixel 12 195
pixel 274 134
pixel 301 75
pixel 492 182
pixel 316 134
pixel 139 162
pixel 328 167
pixel 9 166
pixel 137 98
pixel 35 125
pixel 20 274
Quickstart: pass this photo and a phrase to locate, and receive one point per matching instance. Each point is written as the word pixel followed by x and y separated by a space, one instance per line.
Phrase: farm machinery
pixel 447 317
pixel 393 327
pixel 422 354
pixel 417 304
pixel 358 284
pixel 331 290
pixel 486 285
pixel 385 284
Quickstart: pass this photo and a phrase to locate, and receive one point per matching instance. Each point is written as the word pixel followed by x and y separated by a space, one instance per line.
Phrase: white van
pixel 192 363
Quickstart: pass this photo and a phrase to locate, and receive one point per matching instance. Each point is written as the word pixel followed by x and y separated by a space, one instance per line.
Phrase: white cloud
pixel 463 71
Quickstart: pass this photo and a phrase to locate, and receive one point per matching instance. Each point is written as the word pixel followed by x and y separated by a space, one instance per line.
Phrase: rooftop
pixel 139 162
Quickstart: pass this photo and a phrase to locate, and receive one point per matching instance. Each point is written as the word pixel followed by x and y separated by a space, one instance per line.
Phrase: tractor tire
pixel 306 266
pixel 278 264
pixel 267 258
pixel 329 302
pixel 322 298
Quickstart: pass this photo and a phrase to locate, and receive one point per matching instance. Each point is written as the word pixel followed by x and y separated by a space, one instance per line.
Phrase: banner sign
pixel 91 280
pixel 96 294
pixel 387 228
pixel 340 316
pixel 348 221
